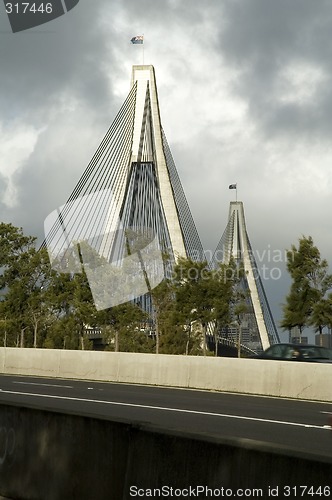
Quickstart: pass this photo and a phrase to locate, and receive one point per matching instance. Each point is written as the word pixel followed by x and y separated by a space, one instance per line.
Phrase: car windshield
pixel 312 352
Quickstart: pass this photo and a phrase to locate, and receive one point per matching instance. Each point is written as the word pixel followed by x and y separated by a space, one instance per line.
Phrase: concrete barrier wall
pixel 53 456
pixel 252 376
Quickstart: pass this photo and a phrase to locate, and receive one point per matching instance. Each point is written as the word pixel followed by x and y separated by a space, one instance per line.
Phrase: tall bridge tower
pixel 258 327
pixel 130 185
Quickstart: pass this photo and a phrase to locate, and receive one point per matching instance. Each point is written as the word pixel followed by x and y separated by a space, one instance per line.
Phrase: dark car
pixel 297 352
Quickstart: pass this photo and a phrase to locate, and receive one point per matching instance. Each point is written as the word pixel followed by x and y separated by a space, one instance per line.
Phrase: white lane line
pixel 44 385
pixel 161 408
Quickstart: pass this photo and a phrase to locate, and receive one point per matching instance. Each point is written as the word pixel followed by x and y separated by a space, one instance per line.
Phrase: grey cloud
pixel 3 187
pixel 262 37
pixel 56 77
pixel 40 67
pixel 167 11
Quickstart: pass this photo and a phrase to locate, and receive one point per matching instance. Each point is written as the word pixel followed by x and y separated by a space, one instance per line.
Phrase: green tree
pixel 321 315
pixel 121 328
pixel 305 262
pixel 61 330
pixel 162 297
pixel 225 282
pixel 14 250
pixel 25 274
pixel 310 282
pixel 299 305
pixel 36 299
pixel 194 295
pixel 70 297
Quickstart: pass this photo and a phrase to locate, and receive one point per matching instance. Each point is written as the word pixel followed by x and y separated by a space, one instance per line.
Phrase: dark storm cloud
pixel 56 77
pixel 261 39
pixel 40 67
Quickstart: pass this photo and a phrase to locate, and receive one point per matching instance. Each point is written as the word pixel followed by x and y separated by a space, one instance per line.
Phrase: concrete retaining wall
pixel 53 456
pixel 252 376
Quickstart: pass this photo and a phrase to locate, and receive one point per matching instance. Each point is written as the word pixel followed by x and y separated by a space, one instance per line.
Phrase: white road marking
pixel 45 385
pixel 161 408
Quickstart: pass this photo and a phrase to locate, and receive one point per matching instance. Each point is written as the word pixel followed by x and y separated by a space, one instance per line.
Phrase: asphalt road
pixel 299 425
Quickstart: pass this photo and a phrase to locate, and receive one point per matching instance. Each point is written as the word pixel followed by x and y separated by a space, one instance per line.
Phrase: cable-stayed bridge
pixel 258 329
pixel 129 198
pixel 129 206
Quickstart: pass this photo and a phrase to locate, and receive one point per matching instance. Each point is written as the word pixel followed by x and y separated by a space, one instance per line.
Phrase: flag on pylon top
pixel 137 39
pixel 232 186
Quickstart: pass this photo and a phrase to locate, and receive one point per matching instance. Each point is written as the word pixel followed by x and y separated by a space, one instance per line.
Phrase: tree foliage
pixel 307 303
pixel 52 307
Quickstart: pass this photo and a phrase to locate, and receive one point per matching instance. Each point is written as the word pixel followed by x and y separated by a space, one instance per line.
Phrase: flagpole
pixel 143 49
pixel 234 186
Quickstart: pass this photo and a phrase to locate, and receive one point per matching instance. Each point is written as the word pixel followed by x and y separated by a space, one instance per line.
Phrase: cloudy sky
pixel 245 94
